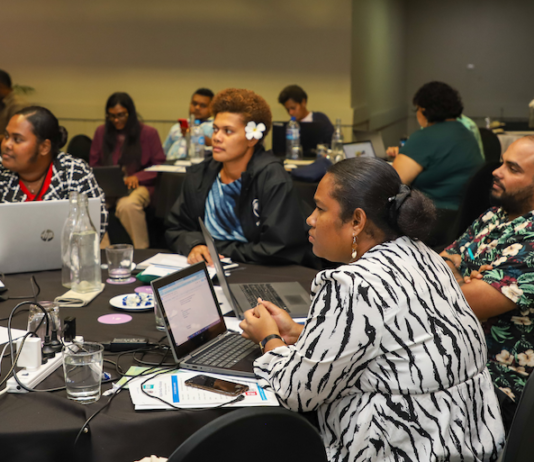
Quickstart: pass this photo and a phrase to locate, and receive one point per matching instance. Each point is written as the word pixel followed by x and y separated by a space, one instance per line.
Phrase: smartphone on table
pixel 223 387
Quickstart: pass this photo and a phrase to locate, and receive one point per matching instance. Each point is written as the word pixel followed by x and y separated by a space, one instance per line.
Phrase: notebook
pixel 358 149
pixel 197 333
pixel 31 234
pixel 290 296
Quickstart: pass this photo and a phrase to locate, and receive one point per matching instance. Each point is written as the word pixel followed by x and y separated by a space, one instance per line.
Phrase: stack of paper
pixel 172 389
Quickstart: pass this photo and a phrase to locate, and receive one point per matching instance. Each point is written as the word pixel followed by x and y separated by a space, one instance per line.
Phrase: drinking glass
pixel 119 258
pixel 82 364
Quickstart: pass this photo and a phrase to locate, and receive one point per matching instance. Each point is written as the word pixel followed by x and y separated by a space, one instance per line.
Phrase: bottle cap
pixel 293 118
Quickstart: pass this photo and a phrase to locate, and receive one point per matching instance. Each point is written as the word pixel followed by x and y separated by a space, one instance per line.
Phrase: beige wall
pixel 75 54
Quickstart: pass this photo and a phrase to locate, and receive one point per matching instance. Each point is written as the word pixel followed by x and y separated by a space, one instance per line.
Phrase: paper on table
pixel 159 271
pixel 171 388
pixel 15 334
pixel 165 259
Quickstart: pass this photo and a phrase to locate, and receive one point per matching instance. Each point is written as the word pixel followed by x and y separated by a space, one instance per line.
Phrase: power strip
pixel 33 378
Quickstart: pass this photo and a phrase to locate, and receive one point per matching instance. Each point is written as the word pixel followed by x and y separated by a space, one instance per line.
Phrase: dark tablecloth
pixel 42 426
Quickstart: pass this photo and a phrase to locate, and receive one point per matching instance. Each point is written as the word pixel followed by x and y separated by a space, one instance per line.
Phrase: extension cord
pixel 33 378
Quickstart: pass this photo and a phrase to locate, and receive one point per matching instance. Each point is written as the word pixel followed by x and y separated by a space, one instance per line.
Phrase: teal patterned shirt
pixel 509 247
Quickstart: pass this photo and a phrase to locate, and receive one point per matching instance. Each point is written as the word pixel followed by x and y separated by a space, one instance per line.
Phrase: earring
pixel 354 253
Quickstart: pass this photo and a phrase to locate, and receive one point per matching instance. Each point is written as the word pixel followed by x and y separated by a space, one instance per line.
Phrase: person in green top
pixel 439 159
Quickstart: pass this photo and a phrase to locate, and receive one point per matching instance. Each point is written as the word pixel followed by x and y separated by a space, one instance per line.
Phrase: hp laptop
pixel 289 296
pixel 111 180
pixel 195 326
pixel 31 234
pixel 358 149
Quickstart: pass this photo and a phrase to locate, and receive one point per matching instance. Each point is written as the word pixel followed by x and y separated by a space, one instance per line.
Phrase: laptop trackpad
pixel 295 300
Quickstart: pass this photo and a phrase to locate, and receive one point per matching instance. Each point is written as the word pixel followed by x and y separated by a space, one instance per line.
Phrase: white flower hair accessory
pixel 254 131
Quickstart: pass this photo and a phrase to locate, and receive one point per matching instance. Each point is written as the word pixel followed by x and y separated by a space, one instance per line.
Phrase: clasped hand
pixel 266 319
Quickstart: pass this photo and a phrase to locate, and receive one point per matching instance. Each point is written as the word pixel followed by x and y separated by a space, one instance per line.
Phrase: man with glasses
pixel 200 108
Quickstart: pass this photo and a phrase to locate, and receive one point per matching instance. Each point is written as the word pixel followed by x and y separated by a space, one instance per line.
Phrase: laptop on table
pixel 197 333
pixel 290 296
pixel 359 149
pixel 31 234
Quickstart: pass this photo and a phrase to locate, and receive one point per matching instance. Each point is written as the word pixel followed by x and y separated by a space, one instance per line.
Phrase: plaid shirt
pixel 68 174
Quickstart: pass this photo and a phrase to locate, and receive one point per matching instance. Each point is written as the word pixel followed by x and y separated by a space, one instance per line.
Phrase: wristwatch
pixel 266 339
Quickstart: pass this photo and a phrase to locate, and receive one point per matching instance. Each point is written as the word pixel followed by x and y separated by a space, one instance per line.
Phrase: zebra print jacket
pixel 393 360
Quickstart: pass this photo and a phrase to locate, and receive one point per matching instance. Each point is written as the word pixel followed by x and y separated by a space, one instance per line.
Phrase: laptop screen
pixel 189 308
pixel 360 149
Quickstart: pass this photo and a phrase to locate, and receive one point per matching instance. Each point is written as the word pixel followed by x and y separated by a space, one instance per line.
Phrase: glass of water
pixel 119 258
pixel 82 364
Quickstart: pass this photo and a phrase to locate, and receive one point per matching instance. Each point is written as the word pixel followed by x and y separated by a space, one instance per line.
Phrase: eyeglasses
pixel 119 116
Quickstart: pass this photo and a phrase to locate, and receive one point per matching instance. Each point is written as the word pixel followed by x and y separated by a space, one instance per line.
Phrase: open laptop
pixel 289 296
pixel 311 134
pixel 376 140
pixel 358 149
pixel 197 333
pixel 31 234
pixel 111 180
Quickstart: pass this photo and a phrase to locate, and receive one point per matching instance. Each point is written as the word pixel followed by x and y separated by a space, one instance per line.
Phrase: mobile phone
pixel 184 124
pixel 216 385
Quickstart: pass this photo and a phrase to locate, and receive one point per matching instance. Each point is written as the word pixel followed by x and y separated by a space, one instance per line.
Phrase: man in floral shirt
pixel 494 263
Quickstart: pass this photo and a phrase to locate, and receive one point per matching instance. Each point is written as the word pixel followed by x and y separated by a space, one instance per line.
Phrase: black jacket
pixel 268 210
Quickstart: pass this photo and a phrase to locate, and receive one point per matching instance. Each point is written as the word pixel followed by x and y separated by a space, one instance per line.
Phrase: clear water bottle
pixel 337 138
pixel 293 147
pixel 196 147
pixel 85 251
pixel 66 234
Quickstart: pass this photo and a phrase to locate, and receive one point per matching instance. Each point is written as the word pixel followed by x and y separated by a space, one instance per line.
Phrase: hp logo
pixel 47 235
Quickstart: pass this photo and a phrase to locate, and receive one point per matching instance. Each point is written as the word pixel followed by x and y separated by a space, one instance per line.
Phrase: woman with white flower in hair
pixel 242 193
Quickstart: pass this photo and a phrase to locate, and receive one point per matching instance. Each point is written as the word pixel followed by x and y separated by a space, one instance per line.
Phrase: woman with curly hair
pixel 440 158
pixel 242 193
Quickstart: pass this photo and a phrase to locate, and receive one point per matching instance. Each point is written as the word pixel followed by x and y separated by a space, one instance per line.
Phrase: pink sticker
pixel 144 290
pixel 118 283
pixel 114 319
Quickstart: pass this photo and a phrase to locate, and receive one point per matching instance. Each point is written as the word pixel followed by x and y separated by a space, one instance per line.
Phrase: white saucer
pixel 118 302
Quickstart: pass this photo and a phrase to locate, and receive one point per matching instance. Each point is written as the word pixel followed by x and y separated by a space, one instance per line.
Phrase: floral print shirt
pixel 509 247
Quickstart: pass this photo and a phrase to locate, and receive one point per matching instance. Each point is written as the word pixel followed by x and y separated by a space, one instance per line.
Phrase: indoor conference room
pixel 258 231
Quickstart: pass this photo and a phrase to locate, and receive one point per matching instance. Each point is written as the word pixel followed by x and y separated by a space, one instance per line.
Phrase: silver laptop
pixel 289 296
pixel 197 333
pixel 31 234
pixel 375 138
pixel 359 149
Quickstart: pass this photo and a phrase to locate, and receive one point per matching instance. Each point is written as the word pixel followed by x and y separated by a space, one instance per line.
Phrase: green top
pixel 473 128
pixel 449 155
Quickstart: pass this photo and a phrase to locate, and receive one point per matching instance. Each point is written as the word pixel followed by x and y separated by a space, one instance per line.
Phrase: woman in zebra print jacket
pixel 392 357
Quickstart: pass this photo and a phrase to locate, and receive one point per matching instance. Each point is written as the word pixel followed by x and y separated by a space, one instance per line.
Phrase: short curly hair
pixel 439 102
pixel 246 103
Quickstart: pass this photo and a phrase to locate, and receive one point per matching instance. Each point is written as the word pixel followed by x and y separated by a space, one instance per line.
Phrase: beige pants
pixel 130 211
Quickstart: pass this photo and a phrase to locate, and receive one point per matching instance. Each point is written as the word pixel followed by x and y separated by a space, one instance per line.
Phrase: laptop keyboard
pixel 265 292
pixel 229 351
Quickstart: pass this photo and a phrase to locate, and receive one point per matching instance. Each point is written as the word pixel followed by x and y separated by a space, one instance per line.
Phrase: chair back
pixel 492 145
pixel 476 198
pixel 259 434
pixel 518 447
pixel 80 146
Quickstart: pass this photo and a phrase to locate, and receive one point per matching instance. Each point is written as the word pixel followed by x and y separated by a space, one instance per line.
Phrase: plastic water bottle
pixel 293 147
pixel 66 234
pixel 338 154
pixel 85 251
pixel 196 148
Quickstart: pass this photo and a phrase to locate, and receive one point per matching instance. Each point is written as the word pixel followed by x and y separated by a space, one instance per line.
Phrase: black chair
pixel 80 146
pixel 518 447
pixel 259 434
pixel 476 199
pixel 492 145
